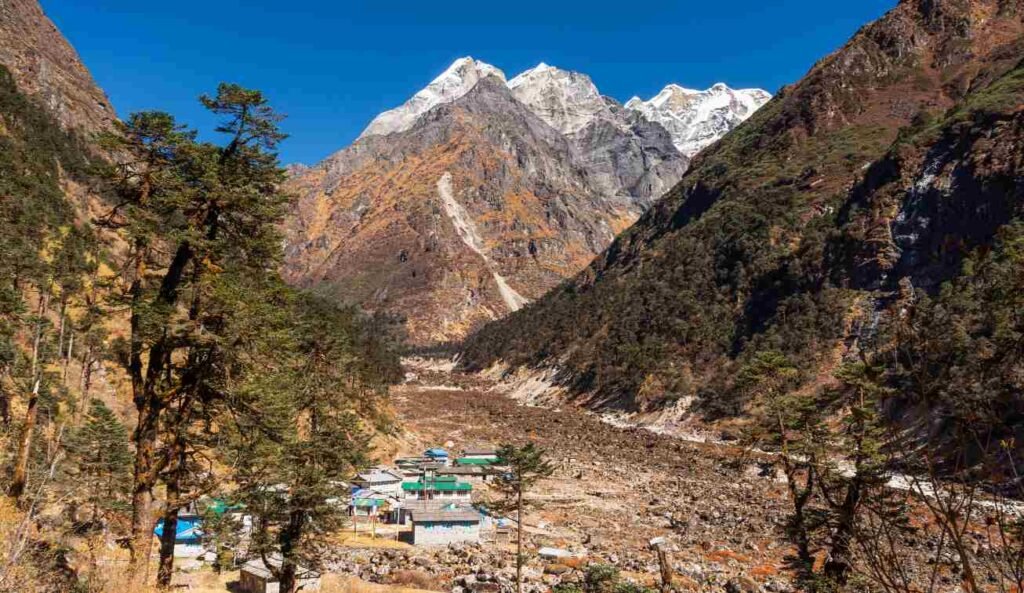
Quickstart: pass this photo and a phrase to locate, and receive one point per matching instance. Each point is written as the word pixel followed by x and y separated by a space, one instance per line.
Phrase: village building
pixel 474 461
pixel 436 455
pixel 405 464
pixel 379 480
pixel 438 488
pixel 484 453
pixel 377 505
pixel 472 473
pixel 257 578
pixel 411 506
pixel 445 526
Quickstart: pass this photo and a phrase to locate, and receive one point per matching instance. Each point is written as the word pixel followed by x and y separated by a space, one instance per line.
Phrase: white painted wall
pixel 442 534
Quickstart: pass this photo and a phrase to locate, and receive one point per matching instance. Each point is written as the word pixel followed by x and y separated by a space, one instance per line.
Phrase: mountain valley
pixel 519 336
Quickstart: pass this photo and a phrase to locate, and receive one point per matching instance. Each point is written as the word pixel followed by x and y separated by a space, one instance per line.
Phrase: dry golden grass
pixel 333 583
pixel 364 540
pixel 205 581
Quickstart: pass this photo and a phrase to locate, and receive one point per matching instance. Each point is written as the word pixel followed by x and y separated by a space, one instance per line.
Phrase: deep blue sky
pixel 331 65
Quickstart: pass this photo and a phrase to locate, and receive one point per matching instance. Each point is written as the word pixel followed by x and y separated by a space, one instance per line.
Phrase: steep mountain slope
pixel 624 152
pixel 697 119
pixel 806 228
pixel 453 83
pixel 45 65
pixel 477 208
pixel 475 197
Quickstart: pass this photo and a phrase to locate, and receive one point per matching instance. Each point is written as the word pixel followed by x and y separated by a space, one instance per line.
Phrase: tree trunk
pixel 5 400
pixel 665 568
pixel 289 536
pixel 168 537
pixel 838 566
pixel 67 358
pixel 85 384
pixel 142 495
pixel 19 477
pixel 150 406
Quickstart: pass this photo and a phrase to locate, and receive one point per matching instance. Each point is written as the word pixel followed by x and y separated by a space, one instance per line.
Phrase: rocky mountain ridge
pixel 45 66
pixel 476 196
pixel 459 220
pixel 697 119
pixel 570 101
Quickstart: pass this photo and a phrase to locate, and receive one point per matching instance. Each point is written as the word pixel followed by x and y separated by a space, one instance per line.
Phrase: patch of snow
pixel 467 231
pixel 696 119
pixel 567 101
pixel 452 84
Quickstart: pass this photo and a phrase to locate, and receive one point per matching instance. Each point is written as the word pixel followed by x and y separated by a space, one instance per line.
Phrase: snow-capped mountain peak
pixel 452 84
pixel 696 119
pixel 570 102
pixel 567 101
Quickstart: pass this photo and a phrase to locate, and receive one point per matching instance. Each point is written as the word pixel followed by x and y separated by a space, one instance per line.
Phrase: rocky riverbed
pixel 721 509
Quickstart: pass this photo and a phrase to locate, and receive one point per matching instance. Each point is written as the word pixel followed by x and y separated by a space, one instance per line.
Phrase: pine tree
pixel 213 210
pixel 305 432
pixel 527 465
pixel 787 422
pixel 100 461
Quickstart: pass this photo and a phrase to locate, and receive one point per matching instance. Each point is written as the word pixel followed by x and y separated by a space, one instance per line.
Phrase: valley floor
pixel 615 488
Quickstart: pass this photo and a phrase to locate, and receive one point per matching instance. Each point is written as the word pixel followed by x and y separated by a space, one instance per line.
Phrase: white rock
pixel 567 101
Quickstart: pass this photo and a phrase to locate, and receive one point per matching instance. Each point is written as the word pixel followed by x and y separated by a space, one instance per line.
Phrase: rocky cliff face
pixel 623 151
pixel 804 230
pixel 476 196
pixel 45 65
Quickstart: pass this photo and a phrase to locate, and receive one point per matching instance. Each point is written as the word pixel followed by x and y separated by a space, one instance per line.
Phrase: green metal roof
pixel 442 484
pixel 369 502
pixel 474 461
pixel 219 506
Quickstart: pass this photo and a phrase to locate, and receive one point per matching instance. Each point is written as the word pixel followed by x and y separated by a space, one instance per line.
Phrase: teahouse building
pixel 379 480
pixel 379 505
pixel 436 455
pixel 484 453
pixel 445 526
pixel 439 488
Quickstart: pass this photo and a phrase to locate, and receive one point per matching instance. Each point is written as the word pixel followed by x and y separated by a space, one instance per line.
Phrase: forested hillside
pixel 148 346
pixel 862 210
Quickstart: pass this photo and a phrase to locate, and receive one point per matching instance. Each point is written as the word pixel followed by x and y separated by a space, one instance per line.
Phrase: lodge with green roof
pixel 439 487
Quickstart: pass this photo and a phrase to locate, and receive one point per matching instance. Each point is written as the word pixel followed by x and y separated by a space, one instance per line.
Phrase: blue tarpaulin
pixel 188 531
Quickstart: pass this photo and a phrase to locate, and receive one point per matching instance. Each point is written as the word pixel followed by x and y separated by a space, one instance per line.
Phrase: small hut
pixel 257 578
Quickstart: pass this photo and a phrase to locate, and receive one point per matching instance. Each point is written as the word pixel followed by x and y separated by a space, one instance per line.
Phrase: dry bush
pixel 415 579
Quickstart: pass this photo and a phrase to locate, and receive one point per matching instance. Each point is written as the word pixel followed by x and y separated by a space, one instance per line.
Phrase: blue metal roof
pixel 188 530
pixel 435 453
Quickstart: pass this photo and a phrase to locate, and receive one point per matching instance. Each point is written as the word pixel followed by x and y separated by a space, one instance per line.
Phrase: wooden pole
pixel 664 563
